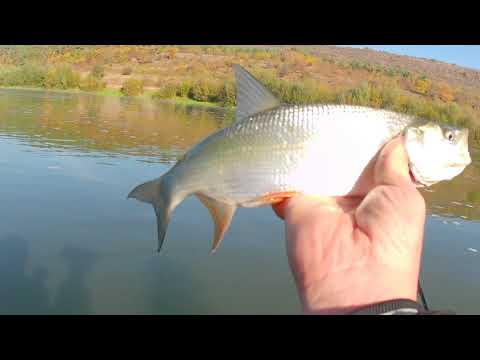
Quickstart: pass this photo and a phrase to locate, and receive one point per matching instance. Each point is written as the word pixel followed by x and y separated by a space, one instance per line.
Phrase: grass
pixel 117 93
pixel 109 92
pixel 187 101
pixel 150 93
pixel 36 88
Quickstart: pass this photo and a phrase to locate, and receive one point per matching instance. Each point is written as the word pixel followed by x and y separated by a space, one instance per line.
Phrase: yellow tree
pixel 445 93
pixel 422 85
pixel 171 52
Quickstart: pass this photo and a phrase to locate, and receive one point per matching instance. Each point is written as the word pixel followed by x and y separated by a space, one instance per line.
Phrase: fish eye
pixel 449 136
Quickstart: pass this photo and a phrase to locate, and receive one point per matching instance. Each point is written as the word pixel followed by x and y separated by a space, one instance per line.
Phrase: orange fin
pixel 270 199
pixel 222 214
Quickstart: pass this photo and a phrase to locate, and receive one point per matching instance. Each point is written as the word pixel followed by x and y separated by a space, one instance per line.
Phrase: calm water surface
pixel 71 243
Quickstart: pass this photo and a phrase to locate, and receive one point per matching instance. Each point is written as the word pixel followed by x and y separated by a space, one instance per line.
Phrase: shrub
pixel 360 65
pixel 171 52
pixel 204 90
pixel 422 85
pixel 198 69
pixel 445 93
pixel 8 78
pixel 120 56
pixel 390 72
pixel 184 88
pixel 243 55
pixel 33 75
pixel 195 49
pixel 168 91
pixel 262 55
pixel 62 77
pixel 92 83
pixel 404 73
pixel 26 75
pixel 227 95
pixel 361 95
pixel 296 94
pixel 132 87
pixel 127 70
pixel 98 71
pixel 283 70
pixel 323 94
pixel 389 96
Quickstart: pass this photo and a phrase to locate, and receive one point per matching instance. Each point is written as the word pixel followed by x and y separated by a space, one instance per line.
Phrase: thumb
pixel 392 166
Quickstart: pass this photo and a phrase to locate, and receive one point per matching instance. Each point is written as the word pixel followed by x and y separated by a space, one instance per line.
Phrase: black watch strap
pixel 391 307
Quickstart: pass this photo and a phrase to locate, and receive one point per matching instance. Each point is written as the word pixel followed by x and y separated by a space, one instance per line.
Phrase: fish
pixel 273 151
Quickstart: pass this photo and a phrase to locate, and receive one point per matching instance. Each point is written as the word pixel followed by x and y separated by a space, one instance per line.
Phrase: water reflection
pixel 20 292
pixel 182 296
pixel 110 125
pixel 73 294
pixel 26 292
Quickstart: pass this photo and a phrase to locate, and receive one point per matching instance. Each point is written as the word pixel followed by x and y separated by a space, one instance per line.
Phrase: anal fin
pixel 222 214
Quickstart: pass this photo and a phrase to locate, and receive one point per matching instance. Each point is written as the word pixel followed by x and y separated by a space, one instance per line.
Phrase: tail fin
pixel 164 200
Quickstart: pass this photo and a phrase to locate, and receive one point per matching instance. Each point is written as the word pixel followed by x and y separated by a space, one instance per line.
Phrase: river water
pixel 71 242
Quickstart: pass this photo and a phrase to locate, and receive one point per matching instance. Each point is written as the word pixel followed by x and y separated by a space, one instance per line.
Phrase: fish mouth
pixel 411 175
pixel 412 170
pixel 414 180
pixel 419 180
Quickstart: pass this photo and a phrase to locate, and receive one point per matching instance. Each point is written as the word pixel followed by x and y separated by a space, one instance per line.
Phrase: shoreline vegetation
pixel 202 75
pixel 116 93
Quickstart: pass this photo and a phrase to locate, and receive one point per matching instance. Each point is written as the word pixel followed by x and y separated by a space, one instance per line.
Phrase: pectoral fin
pixel 269 199
pixel 222 214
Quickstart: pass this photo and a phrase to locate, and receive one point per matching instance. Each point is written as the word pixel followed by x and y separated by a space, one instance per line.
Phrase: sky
pixel 462 55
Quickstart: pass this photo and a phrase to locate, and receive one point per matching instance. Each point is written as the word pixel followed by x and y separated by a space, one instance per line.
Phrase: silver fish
pixel 273 151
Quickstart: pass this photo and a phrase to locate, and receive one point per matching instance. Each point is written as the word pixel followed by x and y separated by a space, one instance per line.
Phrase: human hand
pixel 349 252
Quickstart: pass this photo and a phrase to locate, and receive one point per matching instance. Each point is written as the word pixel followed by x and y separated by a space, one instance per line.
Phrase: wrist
pixel 346 292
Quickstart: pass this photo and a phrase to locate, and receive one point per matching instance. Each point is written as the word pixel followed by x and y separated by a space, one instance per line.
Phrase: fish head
pixel 436 152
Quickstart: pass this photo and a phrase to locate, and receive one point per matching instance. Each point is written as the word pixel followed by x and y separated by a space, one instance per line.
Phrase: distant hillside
pixel 434 69
pixel 297 74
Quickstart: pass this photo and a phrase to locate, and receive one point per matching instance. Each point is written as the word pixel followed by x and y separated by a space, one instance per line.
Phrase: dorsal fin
pixel 252 96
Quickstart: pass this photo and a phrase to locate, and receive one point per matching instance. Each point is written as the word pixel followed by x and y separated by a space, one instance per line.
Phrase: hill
pixel 434 69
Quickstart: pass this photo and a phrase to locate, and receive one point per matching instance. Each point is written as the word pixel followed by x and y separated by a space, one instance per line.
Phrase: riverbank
pixel 109 92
